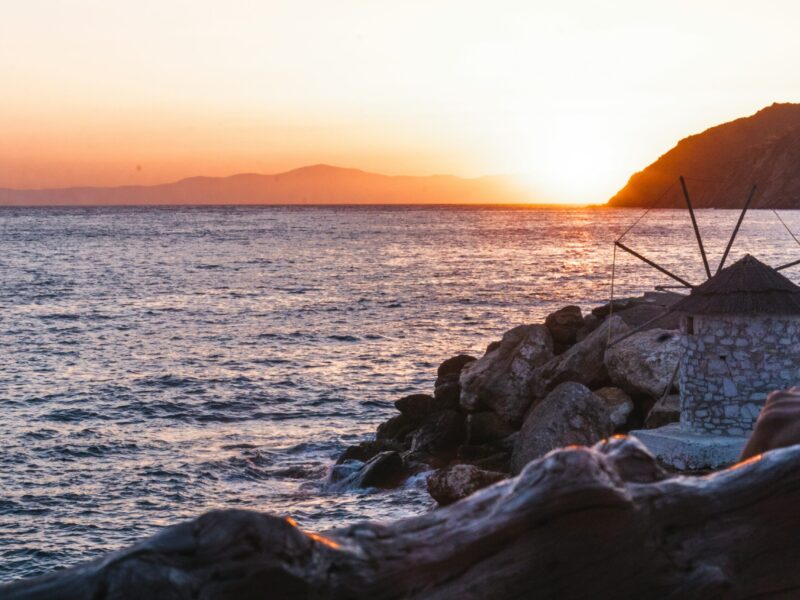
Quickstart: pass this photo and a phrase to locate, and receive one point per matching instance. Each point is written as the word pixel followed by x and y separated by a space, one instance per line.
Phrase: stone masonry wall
pixel 729 366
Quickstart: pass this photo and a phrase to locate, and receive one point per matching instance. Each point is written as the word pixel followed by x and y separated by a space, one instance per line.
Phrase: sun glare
pixel 581 164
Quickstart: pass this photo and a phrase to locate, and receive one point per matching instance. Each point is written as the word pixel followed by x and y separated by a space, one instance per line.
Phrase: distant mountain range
pixel 319 184
pixel 722 163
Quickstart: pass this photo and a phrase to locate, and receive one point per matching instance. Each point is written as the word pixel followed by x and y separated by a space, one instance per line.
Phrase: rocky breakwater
pixel 601 522
pixel 542 386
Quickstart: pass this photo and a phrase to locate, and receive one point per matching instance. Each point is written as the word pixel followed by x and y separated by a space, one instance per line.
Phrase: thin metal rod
pixel 736 229
pixel 694 224
pixel 786 226
pixel 787 265
pixel 654 265
pixel 639 328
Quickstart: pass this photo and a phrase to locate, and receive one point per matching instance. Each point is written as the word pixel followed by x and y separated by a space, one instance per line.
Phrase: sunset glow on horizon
pixel 574 98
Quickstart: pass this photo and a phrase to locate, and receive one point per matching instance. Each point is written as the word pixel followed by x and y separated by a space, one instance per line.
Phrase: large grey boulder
pixel 503 380
pixel 645 362
pixel 459 481
pixel 570 415
pixel 583 362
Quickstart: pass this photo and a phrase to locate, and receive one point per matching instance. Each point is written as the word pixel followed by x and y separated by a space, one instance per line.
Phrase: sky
pixel 573 96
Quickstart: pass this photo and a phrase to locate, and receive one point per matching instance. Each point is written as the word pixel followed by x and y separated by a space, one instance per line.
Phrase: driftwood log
pixel 604 522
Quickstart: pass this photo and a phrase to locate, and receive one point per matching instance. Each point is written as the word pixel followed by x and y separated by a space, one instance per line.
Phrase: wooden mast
pixel 652 264
pixel 694 224
pixel 736 229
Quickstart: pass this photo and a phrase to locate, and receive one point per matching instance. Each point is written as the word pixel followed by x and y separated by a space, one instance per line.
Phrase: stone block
pixel 687 451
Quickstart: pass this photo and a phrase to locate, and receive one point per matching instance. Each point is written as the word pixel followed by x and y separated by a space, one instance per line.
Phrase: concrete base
pixel 686 451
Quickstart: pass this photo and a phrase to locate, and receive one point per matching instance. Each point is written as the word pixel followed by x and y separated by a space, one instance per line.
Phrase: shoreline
pixel 536 485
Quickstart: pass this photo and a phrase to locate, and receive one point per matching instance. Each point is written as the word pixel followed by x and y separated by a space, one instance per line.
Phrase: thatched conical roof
pixel 748 286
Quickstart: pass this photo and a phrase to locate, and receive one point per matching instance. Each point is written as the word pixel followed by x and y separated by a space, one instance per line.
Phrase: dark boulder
pixel 447 392
pixel 453 365
pixel 459 481
pixel 384 470
pixel 363 451
pixel 615 306
pixel 471 452
pixel 492 346
pixel 486 426
pixel 564 325
pixel 440 434
pixel 395 429
pixel 416 407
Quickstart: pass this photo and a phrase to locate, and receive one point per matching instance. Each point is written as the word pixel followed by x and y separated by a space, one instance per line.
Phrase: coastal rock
pixel 447 392
pixel 570 414
pixel 363 451
pixel 395 429
pixel 618 403
pixel 567 527
pixel 416 406
pixel 440 434
pixel 643 313
pixel 492 346
pixel 583 362
pixel 564 325
pixel 454 483
pixel 503 379
pixel 384 470
pixel 777 425
pixel 645 362
pixel 486 426
pixel 615 306
pixel 665 411
pixel 454 365
pixel 590 323
pixel 489 457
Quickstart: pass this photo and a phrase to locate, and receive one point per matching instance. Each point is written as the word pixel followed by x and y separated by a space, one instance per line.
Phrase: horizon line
pixel 260 174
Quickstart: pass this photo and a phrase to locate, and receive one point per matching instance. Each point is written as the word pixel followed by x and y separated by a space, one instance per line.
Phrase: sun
pixel 578 161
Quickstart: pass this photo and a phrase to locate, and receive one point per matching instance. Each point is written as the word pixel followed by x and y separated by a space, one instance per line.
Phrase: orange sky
pixel 573 95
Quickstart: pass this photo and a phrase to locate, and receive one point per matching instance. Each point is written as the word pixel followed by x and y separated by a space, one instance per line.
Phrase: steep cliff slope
pixel 723 162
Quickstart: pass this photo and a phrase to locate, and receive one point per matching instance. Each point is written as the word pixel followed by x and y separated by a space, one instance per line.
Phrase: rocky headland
pixel 541 386
pixel 723 162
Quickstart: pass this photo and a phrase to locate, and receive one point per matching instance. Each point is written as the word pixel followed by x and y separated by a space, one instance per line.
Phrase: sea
pixel 156 363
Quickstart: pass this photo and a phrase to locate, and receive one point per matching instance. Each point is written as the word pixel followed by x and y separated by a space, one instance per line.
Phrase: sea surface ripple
pixel 156 363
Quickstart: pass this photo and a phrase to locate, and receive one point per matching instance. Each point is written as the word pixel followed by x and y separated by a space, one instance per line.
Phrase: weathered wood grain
pixel 579 523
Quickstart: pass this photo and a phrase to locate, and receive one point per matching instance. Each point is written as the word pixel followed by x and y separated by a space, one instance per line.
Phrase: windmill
pixel 683 283
pixel 741 340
